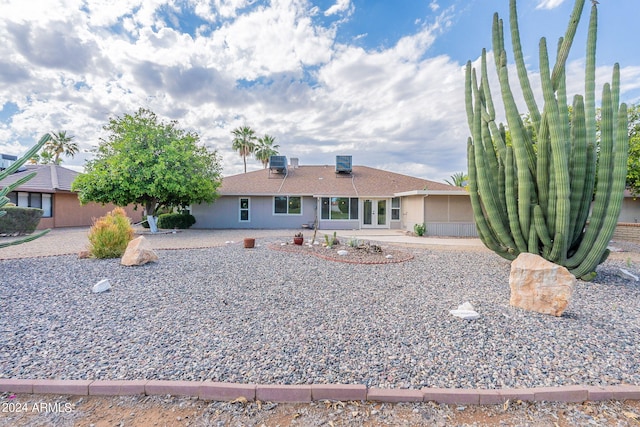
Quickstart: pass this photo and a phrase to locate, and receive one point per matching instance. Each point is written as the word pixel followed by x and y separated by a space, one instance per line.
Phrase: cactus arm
pixel 567 41
pixel 559 154
pixel 577 167
pixel 542 171
pixel 22 160
pixel 534 242
pixel 599 252
pixel 603 188
pixel 510 197
pixel 468 97
pixel 523 76
pixel 25 240
pixel 590 77
pixel 541 227
pixel 563 107
pixel 484 231
pixel 495 217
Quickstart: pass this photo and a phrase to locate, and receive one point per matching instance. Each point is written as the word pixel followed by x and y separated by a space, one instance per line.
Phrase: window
pixel 287 205
pixel 337 208
pixel 33 200
pixel 244 210
pixel 395 208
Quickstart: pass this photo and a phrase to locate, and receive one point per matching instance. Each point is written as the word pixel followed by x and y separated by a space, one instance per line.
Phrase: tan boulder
pixel 138 252
pixel 539 285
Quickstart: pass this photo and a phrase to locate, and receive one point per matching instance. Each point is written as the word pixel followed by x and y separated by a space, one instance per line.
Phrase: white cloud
pixel 549 4
pixel 340 6
pixel 434 6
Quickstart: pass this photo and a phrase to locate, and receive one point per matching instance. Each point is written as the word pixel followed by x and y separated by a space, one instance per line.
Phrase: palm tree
pixel 244 142
pixel 265 149
pixel 59 144
pixel 458 179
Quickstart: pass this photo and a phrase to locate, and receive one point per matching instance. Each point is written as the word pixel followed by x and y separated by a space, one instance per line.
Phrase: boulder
pixel 539 285
pixel 138 252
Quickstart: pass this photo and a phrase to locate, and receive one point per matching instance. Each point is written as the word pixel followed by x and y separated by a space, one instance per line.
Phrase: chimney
pixel 293 162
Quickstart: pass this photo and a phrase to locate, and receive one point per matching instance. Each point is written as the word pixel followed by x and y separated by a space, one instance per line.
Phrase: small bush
pixel 109 235
pixel 420 229
pixel 176 220
pixel 19 220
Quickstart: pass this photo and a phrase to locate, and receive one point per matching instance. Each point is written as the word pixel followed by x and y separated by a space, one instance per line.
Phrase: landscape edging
pixel 210 390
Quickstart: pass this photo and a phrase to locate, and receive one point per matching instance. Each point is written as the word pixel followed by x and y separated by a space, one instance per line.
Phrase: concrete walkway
pixel 72 240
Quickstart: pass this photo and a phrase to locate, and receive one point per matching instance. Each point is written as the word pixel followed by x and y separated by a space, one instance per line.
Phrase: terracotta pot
pixel 249 242
pixel 298 240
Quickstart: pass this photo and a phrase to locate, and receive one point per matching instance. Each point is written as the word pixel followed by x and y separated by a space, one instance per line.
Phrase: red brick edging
pixel 208 390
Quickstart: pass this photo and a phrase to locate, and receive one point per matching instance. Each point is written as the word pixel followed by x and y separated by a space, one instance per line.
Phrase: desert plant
pixel 176 220
pixel 110 234
pixel 419 229
pixel 536 198
pixel 353 242
pixel 6 190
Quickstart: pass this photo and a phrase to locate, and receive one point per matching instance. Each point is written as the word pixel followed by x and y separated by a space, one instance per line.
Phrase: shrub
pixel 420 229
pixel 19 220
pixel 109 235
pixel 176 220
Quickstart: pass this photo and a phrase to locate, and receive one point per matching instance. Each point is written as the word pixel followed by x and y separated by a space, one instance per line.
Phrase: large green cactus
pixel 6 190
pixel 535 194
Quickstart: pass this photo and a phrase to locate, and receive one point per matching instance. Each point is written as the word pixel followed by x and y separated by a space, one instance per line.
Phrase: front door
pixel 374 213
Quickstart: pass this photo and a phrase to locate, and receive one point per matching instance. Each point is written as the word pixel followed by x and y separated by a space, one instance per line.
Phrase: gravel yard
pixel 264 316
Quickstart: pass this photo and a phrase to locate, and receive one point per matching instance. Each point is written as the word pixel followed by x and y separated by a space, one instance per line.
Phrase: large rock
pixel 138 252
pixel 540 285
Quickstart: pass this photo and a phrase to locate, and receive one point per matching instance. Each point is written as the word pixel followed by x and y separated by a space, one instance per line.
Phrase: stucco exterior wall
pixel 630 212
pixel 67 212
pixel 412 208
pixel 225 213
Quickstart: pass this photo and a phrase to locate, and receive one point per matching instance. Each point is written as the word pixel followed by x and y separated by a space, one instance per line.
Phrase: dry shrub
pixel 110 234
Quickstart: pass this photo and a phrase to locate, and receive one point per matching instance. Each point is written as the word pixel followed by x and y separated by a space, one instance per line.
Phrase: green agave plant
pixel 534 193
pixel 6 190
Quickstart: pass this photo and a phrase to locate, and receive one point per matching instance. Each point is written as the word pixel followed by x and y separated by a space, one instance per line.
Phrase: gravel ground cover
pixel 265 316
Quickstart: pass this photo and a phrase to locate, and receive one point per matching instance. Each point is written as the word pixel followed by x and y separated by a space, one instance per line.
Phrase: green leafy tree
pixel 458 179
pixel 151 163
pixel 244 142
pixel 265 149
pixel 59 144
pixel 9 188
pixel 633 163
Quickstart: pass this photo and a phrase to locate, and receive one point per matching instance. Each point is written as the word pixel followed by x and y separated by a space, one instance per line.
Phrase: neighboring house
pixel 50 190
pixel 338 197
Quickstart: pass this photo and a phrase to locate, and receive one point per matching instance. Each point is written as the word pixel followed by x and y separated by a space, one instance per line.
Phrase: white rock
pixel 342 252
pixel 102 286
pixel 465 311
pixel 465 314
pixel 389 256
pixel 629 274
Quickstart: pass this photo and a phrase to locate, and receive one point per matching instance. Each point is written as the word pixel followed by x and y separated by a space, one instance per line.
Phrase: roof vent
pixel 343 164
pixel 278 164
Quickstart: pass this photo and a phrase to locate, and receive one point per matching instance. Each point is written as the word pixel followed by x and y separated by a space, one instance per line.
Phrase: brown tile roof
pixel 48 179
pixel 364 181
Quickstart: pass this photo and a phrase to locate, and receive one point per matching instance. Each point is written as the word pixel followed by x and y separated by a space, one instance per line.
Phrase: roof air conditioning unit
pixel 343 164
pixel 278 164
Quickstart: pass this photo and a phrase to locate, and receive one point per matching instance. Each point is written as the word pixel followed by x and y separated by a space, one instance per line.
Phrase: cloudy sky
pixel 381 80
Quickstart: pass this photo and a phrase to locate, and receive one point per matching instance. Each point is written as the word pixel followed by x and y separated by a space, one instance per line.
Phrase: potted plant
pixel 298 238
